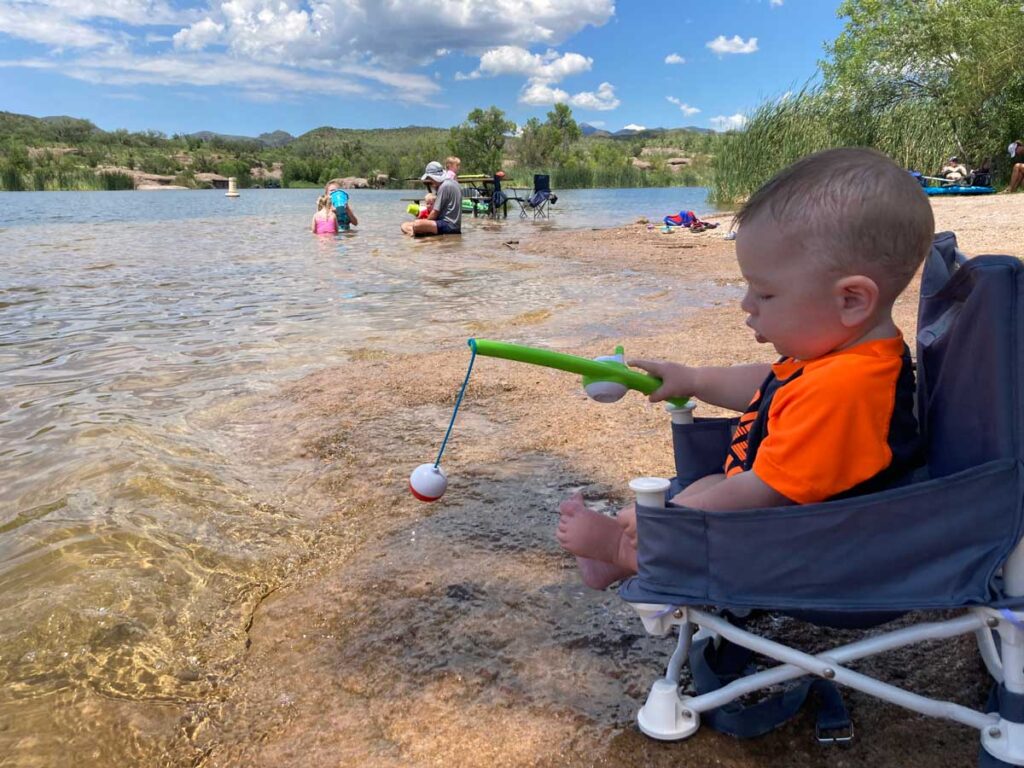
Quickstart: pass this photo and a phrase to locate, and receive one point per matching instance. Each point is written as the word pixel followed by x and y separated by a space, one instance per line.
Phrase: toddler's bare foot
pixel 604 553
pixel 587 533
pixel 598 575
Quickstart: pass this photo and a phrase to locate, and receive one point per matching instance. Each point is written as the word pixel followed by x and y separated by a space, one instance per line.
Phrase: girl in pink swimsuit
pixel 325 222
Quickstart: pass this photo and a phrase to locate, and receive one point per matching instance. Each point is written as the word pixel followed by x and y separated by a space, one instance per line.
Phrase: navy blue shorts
pixel 444 228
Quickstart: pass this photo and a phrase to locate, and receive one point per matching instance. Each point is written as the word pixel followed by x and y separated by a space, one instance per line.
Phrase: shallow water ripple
pixel 148 502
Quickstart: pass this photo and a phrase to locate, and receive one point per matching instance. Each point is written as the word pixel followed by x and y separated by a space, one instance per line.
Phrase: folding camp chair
pixel 947 538
pixel 538 202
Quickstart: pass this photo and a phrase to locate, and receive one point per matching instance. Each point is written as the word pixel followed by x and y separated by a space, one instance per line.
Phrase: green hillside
pixel 54 153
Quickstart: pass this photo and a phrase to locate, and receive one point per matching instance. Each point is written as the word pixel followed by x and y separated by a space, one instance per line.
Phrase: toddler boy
pixel 825 247
pixel 428 205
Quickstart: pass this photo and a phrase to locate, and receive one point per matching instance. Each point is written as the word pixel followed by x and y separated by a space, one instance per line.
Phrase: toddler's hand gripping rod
pixel 611 369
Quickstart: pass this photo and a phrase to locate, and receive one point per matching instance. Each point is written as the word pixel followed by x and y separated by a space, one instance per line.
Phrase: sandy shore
pixel 458 633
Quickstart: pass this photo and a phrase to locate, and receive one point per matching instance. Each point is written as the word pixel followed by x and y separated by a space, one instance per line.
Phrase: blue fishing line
pixel 458 402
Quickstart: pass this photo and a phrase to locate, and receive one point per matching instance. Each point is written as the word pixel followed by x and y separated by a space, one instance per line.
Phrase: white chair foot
pixel 1004 741
pixel 665 716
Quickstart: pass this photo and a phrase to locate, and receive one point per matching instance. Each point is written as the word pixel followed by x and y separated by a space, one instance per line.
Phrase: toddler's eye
pixel 765 296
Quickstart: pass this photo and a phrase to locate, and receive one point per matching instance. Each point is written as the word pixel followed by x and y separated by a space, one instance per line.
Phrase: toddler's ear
pixel 857 298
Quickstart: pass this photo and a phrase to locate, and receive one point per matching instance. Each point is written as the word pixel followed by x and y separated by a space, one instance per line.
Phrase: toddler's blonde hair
pixel 324 201
pixel 855 209
pixel 450 162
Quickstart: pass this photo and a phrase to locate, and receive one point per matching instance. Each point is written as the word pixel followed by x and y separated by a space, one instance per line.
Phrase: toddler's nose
pixel 748 305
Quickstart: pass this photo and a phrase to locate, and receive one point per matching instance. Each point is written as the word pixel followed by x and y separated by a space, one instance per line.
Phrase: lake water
pixel 137 330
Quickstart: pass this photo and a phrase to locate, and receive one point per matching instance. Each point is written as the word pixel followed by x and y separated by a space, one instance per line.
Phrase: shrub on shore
pixel 918 81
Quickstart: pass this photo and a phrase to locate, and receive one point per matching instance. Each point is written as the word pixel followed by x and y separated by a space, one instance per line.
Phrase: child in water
pixel 325 222
pixel 344 215
pixel 428 205
pixel 825 247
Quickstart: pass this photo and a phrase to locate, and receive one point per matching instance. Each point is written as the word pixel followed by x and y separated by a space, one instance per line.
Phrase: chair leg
pixel 665 716
pixel 1003 743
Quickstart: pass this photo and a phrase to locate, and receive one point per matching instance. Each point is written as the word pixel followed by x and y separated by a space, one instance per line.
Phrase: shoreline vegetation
pixel 918 81
pixel 66 153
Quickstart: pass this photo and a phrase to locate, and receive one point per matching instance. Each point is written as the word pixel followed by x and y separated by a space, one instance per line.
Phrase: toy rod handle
pixel 583 366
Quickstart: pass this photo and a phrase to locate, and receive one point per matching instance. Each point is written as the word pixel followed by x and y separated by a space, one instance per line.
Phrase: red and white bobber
pixel 428 482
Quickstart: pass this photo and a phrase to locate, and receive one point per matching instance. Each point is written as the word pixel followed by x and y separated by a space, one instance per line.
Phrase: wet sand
pixel 458 633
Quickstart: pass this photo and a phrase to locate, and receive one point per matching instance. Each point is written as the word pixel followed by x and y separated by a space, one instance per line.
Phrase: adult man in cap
pixel 445 217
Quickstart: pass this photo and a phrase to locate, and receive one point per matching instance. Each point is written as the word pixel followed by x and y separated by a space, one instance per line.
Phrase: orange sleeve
pixel 828 429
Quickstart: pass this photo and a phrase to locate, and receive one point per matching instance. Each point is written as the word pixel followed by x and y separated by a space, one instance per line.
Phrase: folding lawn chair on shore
pixel 947 538
pixel 542 197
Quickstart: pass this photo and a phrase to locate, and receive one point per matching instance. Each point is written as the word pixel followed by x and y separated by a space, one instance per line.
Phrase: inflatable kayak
pixel 953 190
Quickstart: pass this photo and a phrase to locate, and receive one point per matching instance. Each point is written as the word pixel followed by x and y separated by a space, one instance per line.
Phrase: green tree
pixel 480 140
pixel 534 147
pixel 961 57
pixel 564 129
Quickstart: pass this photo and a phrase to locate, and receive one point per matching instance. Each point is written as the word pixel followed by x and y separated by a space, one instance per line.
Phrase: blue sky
pixel 251 66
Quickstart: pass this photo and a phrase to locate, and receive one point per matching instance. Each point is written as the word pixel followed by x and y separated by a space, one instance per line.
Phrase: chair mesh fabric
pixel 934 543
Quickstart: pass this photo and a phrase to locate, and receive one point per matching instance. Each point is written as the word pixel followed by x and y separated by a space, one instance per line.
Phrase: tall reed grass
pixel 49 179
pixel 579 176
pixel 915 135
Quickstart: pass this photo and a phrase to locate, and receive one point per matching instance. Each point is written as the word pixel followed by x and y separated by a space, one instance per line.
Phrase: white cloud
pixel 730 123
pixel 775 3
pixel 31 22
pixel 735 44
pixel 685 108
pixel 360 46
pixel 398 32
pixel 674 58
pixel 603 100
pixel 64 24
pixel 541 95
pixel 199 35
pixel 634 127
pixel 138 13
pixel 254 81
pixel 543 71
pixel 550 67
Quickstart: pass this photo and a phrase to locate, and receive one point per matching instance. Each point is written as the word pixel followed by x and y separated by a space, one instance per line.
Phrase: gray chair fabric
pixel 935 542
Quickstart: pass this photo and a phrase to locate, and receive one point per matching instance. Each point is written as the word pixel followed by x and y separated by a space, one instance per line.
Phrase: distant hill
pixel 638 133
pixel 274 139
pixel 326 138
pixel 61 152
pixel 56 128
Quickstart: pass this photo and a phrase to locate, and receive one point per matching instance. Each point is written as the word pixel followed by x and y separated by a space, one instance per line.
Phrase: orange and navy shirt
pixel 839 424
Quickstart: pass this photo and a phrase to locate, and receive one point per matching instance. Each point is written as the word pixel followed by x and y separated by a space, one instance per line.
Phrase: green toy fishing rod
pixel 605 379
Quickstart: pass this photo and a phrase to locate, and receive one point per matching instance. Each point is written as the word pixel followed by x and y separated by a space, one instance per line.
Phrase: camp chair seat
pixel 537 204
pixel 946 537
